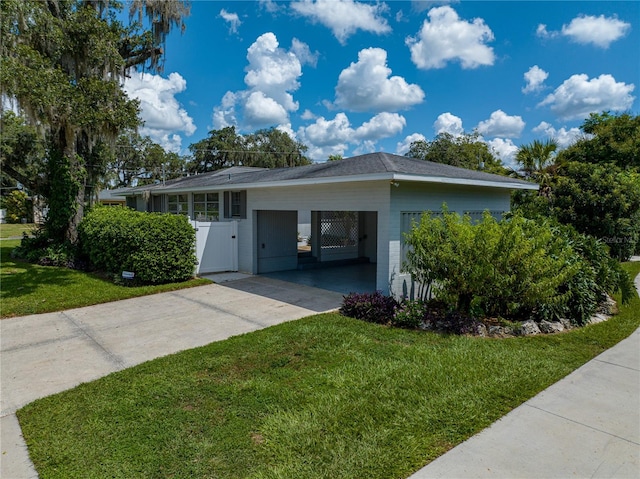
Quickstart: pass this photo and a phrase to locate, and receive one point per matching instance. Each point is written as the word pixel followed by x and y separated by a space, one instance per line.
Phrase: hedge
pixel 157 248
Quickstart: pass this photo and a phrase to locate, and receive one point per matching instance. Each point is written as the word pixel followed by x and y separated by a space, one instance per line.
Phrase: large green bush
pixel 516 268
pixel 158 248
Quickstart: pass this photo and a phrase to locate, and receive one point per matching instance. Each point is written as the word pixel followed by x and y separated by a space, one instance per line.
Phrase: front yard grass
pixel 27 288
pixel 323 397
pixel 9 230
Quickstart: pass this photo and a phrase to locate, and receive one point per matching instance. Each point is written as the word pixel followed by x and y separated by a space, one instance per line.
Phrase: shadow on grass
pixel 20 278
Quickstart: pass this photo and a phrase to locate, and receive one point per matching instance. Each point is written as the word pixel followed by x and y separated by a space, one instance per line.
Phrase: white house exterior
pixel 360 208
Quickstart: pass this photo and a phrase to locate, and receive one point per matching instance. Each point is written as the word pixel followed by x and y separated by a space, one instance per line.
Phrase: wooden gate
pixel 216 246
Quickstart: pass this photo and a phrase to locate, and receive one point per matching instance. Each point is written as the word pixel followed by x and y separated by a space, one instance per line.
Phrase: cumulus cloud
pixel 448 123
pixel 563 137
pixel 232 19
pixel 383 125
pixel 403 146
pixel 600 31
pixel 542 32
pixel 302 51
pixel 333 137
pixel 506 150
pixel 162 114
pixel 501 124
pixel 260 109
pixel 535 78
pixel 444 37
pixel 273 70
pixel 367 85
pixel 272 75
pixel 308 115
pixel 345 17
pixel 579 96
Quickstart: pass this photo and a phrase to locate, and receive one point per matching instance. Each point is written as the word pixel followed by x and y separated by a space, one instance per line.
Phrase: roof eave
pixel 338 180
pixel 467 182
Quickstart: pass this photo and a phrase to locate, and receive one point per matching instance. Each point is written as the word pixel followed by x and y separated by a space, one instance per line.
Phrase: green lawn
pixel 29 289
pixel 322 397
pixel 8 230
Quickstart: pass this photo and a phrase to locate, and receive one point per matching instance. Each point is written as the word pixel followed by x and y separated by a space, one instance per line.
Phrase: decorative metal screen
pixel 476 215
pixel 339 229
pixel 407 220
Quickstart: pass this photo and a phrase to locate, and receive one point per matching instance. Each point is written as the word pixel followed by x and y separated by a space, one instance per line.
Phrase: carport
pixel 340 254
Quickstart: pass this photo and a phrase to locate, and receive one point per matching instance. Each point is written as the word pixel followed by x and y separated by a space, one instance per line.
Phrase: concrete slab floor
pixel 359 278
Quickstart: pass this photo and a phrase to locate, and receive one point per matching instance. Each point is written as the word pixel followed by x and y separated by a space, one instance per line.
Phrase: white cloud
pixel 600 31
pixel 328 132
pixel 272 75
pixel 232 19
pixel 578 96
pixel 270 6
pixel 563 137
pixel 225 114
pixel 506 150
pixel 345 17
pixel 162 114
pixel 403 146
pixel 367 85
pixel 308 115
pixel 383 125
pixel 273 71
pixel 448 38
pixel 501 124
pixel 261 110
pixel 302 51
pixel 333 137
pixel 535 78
pixel 542 32
pixel 448 123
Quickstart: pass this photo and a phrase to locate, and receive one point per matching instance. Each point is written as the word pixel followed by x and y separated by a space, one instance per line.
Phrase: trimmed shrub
pixel 158 248
pixel 371 307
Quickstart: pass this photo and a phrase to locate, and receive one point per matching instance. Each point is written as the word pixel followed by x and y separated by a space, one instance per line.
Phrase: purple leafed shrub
pixel 371 307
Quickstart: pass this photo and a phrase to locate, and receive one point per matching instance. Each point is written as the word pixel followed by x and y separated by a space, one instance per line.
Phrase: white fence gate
pixel 216 246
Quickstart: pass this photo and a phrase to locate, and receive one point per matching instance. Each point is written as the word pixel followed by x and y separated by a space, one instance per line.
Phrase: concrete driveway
pixel 47 353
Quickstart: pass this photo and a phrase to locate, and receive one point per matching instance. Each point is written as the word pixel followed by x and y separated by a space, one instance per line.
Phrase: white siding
pixel 373 196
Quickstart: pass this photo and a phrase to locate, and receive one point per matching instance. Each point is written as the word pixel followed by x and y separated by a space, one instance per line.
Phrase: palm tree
pixel 536 157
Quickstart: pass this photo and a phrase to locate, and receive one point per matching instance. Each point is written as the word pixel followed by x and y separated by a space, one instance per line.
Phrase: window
pixel 206 207
pixel 178 204
pixel 235 204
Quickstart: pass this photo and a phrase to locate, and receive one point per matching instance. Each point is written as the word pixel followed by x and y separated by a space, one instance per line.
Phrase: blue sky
pixel 347 77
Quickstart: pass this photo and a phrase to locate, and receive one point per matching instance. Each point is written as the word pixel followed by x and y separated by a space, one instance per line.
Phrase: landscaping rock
pixel 529 328
pixel 598 318
pixel 481 330
pixel 500 332
pixel 549 327
pixel 608 307
pixel 566 323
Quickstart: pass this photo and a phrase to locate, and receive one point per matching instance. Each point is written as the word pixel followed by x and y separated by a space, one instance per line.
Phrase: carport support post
pixel 316 235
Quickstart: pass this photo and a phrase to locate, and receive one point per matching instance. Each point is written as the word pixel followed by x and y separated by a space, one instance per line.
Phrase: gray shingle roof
pixel 363 165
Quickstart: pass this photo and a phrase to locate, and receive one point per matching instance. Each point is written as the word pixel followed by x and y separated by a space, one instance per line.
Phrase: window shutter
pixel 227 204
pixel 243 204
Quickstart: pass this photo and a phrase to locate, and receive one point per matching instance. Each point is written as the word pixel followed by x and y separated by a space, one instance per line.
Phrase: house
pixel 359 208
pixel 111 198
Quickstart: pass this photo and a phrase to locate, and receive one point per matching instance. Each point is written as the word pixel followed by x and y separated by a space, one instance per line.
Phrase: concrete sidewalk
pixel 47 353
pixel 585 426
